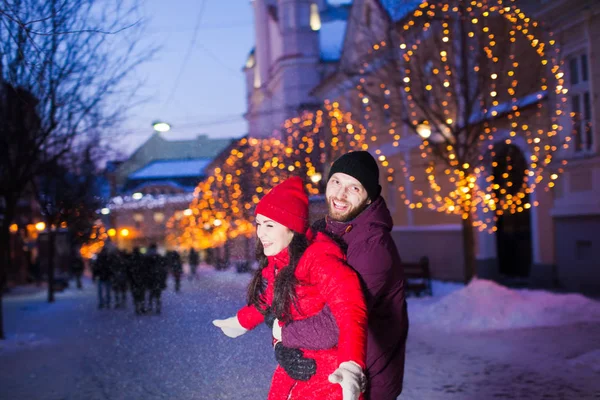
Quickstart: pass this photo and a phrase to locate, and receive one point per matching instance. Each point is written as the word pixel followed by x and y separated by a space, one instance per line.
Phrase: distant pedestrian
pixel 119 282
pixel 77 267
pixel 194 260
pixel 137 272
pixel 103 267
pixel 157 279
pixel 176 268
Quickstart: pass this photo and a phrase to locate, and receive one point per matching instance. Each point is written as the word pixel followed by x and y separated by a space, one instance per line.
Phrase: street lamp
pixel 160 126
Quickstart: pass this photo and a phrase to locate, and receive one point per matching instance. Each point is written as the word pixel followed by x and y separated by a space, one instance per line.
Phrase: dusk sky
pixel 204 94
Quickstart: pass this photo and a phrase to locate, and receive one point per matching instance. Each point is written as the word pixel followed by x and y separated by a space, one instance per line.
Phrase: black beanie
pixel 362 166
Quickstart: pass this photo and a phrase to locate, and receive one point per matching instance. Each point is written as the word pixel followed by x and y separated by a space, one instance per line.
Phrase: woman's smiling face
pixel 273 236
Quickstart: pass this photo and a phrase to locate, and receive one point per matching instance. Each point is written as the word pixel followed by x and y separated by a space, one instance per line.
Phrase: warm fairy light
pixel 224 202
pixel 13 228
pixel 124 232
pixel 40 226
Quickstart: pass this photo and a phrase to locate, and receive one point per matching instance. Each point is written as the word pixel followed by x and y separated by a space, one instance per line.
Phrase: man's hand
pixel 294 363
pixel 230 326
pixel 351 378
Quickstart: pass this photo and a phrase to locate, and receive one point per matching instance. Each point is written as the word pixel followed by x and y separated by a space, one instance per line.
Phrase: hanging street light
pixel 160 126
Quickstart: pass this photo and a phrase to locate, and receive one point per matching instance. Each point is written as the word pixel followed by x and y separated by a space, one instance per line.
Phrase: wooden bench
pixel 417 277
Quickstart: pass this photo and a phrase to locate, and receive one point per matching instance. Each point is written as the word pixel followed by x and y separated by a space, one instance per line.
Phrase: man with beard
pixel 359 218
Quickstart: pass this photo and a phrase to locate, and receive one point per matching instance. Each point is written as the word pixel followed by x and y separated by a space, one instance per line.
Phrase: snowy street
pixel 72 350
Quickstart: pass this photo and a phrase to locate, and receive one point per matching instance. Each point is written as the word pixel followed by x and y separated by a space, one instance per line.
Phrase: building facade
pixel 553 244
pixel 575 213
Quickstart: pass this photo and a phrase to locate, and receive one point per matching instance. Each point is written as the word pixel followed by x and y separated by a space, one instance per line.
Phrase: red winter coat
pixel 325 279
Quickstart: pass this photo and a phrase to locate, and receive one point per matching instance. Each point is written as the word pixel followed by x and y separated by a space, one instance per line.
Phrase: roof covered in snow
pixel 333 29
pixel 331 40
pixel 400 9
pixel 162 169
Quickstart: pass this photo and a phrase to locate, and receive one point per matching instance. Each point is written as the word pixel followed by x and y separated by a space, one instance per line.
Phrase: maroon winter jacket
pixel 372 253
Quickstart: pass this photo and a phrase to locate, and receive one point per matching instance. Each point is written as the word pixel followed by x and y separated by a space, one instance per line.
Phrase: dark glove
pixel 294 363
pixel 269 319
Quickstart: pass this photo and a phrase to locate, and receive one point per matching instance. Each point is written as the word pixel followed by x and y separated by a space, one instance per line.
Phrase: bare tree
pixel 64 68
pixel 68 194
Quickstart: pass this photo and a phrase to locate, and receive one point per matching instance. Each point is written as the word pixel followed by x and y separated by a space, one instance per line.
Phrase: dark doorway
pixel 513 237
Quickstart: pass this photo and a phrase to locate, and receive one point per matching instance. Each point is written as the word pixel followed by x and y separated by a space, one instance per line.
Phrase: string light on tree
pixel 481 84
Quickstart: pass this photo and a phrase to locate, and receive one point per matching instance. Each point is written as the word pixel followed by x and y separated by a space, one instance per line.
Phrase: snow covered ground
pixel 482 341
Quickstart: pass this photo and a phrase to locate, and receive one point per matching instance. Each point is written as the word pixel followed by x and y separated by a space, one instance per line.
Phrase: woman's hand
pixel 230 326
pixel 351 378
pixel 276 330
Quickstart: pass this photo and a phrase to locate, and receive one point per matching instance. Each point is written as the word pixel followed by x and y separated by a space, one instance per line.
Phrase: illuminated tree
pixel 224 203
pixel 480 83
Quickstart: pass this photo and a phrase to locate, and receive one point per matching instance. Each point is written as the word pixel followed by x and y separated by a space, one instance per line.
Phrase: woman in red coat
pixel 296 280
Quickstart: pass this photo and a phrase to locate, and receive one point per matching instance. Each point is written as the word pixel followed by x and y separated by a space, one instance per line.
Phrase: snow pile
pixel 485 305
pixel 589 360
pixel 22 340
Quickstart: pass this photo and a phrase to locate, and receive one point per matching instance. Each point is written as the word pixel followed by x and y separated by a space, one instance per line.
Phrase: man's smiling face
pixel 346 197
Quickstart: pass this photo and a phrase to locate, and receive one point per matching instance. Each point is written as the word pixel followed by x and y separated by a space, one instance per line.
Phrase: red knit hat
pixel 286 203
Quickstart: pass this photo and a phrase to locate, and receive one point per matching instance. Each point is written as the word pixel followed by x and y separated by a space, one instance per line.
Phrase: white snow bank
pixel 21 341
pixel 589 360
pixel 33 292
pixel 484 305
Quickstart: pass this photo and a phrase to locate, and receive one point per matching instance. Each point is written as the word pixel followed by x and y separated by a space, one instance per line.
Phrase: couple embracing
pixel 332 293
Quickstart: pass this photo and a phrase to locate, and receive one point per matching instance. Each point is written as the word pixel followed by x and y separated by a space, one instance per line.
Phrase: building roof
pixel 399 10
pixel 334 20
pixel 162 169
pixel 157 148
pixel 331 39
pixel 339 2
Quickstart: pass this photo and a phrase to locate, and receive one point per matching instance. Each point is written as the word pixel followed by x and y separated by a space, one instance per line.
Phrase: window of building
pixel 368 16
pixel 257 81
pixel 138 217
pixel 391 193
pixel 581 103
pixel 315 17
pixel 159 217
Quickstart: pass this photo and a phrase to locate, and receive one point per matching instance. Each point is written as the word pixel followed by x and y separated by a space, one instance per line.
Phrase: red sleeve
pixel 250 317
pixel 340 286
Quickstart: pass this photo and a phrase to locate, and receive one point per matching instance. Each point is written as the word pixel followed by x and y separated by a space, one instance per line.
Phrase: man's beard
pixel 349 215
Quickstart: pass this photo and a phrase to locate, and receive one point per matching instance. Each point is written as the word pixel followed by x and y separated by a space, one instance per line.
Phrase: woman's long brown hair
pixel 285 281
